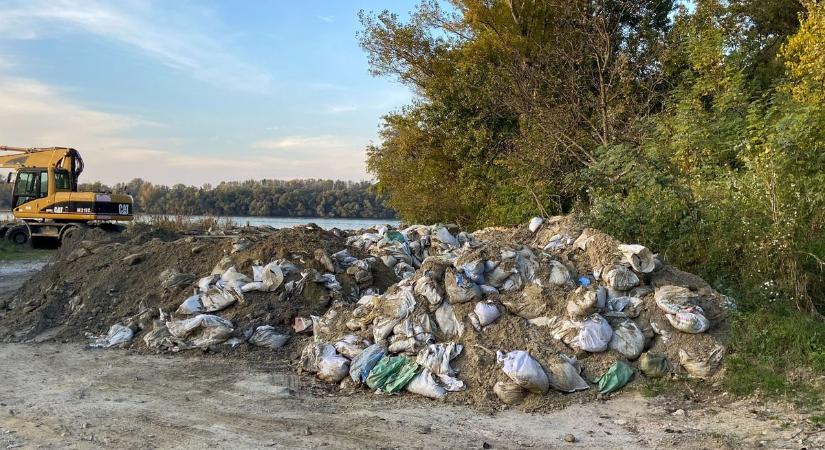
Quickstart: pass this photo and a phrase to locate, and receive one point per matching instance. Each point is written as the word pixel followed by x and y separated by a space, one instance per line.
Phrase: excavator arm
pixel 56 157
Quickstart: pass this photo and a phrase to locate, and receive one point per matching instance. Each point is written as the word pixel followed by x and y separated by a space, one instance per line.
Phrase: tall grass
pixel 188 224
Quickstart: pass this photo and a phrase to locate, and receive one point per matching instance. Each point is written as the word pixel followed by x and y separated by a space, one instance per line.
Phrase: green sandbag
pixel 618 375
pixel 653 365
pixel 392 373
pixel 395 236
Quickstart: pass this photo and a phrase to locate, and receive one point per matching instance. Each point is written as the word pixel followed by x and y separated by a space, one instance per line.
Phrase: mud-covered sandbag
pixel 216 298
pixel 595 334
pixel 430 290
pixel 654 365
pixel 702 365
pixel 445 237
pixel 509 392
pixel 564 376
pixel 496 273
pixel 365 361
pixel 333 368
pixel 524 370
pixel 459 287
pixel 621 278
pixel 639 257
pixel 559 273
pixel 192 305
pixel 202 330
pixel 483 314
pixel 392 373
pixel 158 336
pixel 437 357
pixel 350 346
pixel 267 336
pixel 628 339
pixel 311 355
pixel 689 320
pixel 672 299
pixel 361 272
pixel 530 304
pixel 616 377
pixel 117 335
pixel 582 304
pixel 425 384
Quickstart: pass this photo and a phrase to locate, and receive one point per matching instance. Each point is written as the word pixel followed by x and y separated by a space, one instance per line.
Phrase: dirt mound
pixel 575 299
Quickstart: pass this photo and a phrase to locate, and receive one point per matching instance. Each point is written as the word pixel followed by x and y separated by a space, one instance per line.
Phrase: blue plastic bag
pixel 361 366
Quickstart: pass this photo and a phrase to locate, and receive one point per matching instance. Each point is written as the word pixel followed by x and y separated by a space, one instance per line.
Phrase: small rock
pixel 678 412
pixel 307 432
pixel 133 259
pixel 569 438
pixel 486 445
pixel 85 425
pixel 620 422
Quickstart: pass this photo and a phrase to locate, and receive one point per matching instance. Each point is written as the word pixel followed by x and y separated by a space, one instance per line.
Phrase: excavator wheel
pixel 18 234
pixel 70 233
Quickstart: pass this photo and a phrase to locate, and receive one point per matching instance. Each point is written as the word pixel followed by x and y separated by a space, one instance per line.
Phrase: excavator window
pixel 62 180
pixel 25 188
pixel 43 185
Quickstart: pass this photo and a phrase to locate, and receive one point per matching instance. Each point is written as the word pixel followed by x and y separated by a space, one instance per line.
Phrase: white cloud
pixel 159 33
pixel 34 114
pixel 327 19
pixel 338 109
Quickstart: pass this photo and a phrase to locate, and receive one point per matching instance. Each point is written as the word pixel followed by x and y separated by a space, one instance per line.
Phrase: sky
pixel 194 92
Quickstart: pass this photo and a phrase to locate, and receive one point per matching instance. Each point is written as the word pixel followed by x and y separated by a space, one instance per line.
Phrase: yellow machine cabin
pixel 45 199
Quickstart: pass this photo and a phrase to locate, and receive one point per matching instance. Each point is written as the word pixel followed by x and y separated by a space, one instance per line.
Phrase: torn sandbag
pixel 509 392
pixel 582 303
pixel 524 370
pixel 349 346
pixel 117 335
pixel 594 335
pixel 628 339
pixel 430 290
pixel 483 314
pixel 672 299
pixel 700 365
pixel 216 299
pixel 639 257
pixel 231 275
pixel 202 330
pixel 460 289
pixel 564 375
pixel 564 330
pixel 365 361
pixel 192 305
pixel 437 357
pixel 654 365
pixel 616 377
pixel 392 373
pixel 206 282
pixel 267 336
pixel 272 276
pixel 530 304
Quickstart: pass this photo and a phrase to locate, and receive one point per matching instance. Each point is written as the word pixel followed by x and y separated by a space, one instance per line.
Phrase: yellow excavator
pixel 45 199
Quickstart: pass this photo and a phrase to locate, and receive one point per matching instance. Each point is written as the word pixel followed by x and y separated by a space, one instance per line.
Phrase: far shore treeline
pixel 263 198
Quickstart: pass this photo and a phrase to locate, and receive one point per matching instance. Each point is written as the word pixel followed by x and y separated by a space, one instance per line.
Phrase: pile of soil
pixel 102 279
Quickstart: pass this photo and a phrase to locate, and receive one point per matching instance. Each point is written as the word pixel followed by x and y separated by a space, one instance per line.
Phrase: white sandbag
pixel 474 270
pixel 524 370
pixel 201 330
pixel 445 237
pixel 192 305
pixel 447 321
pixel 672 299
pixel 206 282
pixel 628 339
pixel 486 289
pixel 333 368
pixel 424 384
pixel 496 275
pixel 621 278
pixel 267 336
pixel 382 327
pixel 117 335
pixel 427 288
pixel 689 320
pixel 535 224
pixel 484 314
pixel 231 275
pixel 459 287
pixel 702 365
pixel 451 384
pixel 559 274
pixel 564 376
pixel 509 392
pixel 253 286
pixel 272 276
pixel 639 257
pixel 595 334
pixel 257 273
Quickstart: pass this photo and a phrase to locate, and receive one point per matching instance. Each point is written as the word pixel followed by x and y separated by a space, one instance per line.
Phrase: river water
pixel 281 222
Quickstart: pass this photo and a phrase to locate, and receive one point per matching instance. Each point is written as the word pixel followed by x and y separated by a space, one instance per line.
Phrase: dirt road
pixel 64 396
